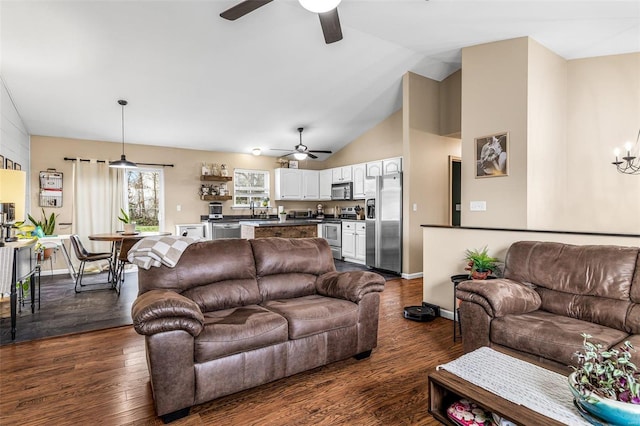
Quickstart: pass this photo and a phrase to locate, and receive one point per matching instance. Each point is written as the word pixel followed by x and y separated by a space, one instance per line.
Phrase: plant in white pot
pixel 129 225
pixel 606 383
pixel 283 216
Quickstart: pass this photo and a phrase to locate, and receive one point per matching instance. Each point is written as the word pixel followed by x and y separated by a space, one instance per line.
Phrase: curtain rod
pixel 104 161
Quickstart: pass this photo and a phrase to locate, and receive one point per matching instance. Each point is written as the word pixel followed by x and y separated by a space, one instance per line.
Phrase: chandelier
pixel 631 162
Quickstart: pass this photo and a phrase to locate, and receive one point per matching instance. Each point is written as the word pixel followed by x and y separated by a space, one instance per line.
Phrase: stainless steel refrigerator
pixel 384 222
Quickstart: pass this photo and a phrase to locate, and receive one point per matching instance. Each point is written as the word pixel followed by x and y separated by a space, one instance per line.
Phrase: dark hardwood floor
pixel 101 377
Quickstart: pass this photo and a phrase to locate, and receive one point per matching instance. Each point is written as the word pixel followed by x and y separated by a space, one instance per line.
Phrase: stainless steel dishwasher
pixel 225 230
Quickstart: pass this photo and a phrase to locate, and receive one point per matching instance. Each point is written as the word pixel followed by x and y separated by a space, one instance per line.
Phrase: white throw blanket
pixel 156 251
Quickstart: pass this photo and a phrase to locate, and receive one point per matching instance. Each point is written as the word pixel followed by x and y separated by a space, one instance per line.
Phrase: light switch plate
pixel 478 206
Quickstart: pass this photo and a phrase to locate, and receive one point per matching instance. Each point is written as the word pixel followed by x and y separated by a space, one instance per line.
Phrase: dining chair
pixel 125 246
pixel 85 256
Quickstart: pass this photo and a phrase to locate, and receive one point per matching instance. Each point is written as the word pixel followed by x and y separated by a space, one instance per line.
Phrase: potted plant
pixel 129 225
pixel 283 216
pixel 48 225
pixel 480 264
pixel 265 202
pixel 606 383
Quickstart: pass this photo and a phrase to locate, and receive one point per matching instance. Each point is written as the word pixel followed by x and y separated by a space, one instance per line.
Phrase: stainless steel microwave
pixel 342 191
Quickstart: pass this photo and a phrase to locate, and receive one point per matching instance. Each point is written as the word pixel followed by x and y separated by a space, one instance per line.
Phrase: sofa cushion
pixel 593 270
pixel 203 263
pixel 314 314
pixel 231 331
pixel 548 335
pixel 305 258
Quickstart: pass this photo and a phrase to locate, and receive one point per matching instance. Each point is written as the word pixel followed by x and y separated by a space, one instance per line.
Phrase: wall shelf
pixel 216 197
pixel 216 178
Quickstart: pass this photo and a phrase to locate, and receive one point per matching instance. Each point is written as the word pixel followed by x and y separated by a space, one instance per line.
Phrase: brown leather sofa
pixel 550 294
pixel 234 314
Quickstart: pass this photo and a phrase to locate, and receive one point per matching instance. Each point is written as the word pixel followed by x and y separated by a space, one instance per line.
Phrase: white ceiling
pixel 195 80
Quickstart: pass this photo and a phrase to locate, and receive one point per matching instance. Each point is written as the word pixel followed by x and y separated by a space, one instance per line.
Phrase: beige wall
pixel 546 133
pixel 425 163
pixel 564 118
pixel 451 105
pixel 444 253
pixel 603 112
pixel 494 99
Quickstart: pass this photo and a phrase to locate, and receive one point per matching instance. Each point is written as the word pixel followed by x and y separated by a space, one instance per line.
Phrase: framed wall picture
pixel 492 155
pixel 17 166
pixel 9 164
pixel 293 164
pixel 1 161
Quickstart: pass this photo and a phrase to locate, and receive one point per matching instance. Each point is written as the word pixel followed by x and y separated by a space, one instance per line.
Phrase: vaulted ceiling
pixel 195 80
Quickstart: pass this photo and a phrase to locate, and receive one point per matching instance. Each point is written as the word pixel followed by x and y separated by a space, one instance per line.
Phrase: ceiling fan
pixel 300 151
pixel 327 10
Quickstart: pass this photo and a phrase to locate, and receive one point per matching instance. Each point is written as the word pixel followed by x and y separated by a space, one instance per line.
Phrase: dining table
pixel 117 240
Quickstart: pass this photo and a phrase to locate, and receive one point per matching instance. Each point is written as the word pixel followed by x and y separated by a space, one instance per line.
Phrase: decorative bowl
pixel 608 410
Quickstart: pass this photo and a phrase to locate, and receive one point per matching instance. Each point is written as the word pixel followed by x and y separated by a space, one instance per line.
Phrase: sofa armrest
pixel 157 311
pixel 351 285
pixel 500 297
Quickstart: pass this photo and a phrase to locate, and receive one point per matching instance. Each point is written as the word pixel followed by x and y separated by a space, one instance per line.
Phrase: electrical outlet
pixel 478 206
pixel 179 208
pixel 415 207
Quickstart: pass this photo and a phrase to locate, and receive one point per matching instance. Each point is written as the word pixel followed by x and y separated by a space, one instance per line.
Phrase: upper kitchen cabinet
pixel 310 184
pixel 342 174
pixel 359 172
pixel 326 179
pixel 288 184
pixel 392 165
pixel 374 168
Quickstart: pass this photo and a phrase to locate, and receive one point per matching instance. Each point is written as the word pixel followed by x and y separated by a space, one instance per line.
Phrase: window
pixel 248 186
pixel 145 198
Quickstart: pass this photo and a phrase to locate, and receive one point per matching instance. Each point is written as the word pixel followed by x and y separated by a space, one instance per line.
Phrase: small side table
pixel 455 280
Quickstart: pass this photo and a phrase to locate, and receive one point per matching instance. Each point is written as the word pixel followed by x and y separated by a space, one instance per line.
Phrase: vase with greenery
pixel 47 224
pixel 283 216
pixel 606 383
pixel 129 225
pixel 480 264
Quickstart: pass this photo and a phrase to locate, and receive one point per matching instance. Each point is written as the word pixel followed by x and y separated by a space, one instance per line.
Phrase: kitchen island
pixel 288 229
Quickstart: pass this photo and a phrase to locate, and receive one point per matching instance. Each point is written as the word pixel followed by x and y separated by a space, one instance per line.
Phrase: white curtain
pixel 98 194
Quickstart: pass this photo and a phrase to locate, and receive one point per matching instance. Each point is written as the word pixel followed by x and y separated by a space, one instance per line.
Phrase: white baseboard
pixel 412 276
pixel 446 314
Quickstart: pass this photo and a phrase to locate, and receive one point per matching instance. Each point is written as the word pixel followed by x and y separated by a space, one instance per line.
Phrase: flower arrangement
pixel 607 373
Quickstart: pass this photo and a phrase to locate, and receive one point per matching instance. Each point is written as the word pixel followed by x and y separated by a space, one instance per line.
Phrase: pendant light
pixel 123 163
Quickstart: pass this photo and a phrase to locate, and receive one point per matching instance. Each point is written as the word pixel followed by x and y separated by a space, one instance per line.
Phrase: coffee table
pixel 445 387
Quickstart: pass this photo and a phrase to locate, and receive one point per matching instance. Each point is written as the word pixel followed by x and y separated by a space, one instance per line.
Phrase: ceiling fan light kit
pixel 327 11
pixel 123 163
pixel 319 6
pixel 301 151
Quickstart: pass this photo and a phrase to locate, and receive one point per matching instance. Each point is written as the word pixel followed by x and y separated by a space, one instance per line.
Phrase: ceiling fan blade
pixel 311 155
pixel 330 23
pixel 241 9
pixel 320 151
pixel 278 149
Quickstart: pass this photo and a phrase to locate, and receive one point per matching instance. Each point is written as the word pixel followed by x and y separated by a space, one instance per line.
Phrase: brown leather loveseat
pixel 550 294
pixel 234 314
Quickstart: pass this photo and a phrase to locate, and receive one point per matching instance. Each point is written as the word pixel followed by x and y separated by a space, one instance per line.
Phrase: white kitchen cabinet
pixel 288 184
pixel 310 185
pixel 374 168
pixel 392 165
pixel 342 174
pixel 354 241
pixel 358 172
pixel 326 179
pixel 361 242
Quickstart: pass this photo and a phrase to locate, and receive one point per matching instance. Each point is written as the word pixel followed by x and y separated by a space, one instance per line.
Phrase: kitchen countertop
pixel 273 221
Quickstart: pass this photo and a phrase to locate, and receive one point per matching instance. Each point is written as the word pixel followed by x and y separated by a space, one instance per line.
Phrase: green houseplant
pixel 48 225
pixel 129 225
pixel 480 264
pixel 606 383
